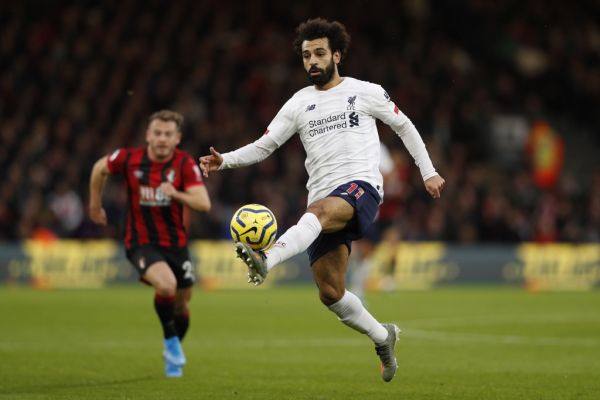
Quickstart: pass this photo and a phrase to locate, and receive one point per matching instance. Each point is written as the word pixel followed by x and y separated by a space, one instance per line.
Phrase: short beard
pixel 160 157
pixel 324 77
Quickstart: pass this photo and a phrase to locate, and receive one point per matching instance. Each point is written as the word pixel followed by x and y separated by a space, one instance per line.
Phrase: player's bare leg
pixel 329 273
pixel 330 276
pixel 160 276
pixel 333 213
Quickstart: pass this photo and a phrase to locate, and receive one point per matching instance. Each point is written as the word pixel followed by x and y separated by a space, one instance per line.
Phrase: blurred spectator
pixel 66 205
pixel 546 154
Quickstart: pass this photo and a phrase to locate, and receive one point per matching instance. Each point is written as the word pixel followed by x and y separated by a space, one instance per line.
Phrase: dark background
pixel 78 79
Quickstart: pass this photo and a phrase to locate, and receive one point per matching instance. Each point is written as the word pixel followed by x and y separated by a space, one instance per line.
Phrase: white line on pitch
pixel 502 339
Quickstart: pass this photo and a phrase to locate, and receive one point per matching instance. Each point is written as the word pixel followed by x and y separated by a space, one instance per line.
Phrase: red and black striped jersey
pixel 152 217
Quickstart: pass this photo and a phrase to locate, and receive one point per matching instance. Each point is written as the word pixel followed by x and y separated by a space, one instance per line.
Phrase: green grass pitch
pixel 458 343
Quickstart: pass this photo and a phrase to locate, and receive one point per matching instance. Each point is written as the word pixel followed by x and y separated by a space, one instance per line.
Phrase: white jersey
pixel 338 130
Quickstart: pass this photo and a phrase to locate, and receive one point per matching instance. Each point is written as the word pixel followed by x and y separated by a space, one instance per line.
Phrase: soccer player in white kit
pixel 335 118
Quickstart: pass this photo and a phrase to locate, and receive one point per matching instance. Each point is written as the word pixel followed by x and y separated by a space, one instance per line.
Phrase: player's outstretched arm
pixel 246 155
pixel 211 162
pixel 97 181
pixel 434 186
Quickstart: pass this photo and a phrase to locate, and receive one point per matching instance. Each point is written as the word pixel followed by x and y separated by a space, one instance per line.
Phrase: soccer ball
pixel 255 225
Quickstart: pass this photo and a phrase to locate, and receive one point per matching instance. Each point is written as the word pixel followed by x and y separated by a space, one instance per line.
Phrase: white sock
pixel 351 312
pixel 295 240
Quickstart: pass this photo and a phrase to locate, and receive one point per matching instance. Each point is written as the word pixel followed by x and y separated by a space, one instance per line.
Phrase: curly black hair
pixel 335 32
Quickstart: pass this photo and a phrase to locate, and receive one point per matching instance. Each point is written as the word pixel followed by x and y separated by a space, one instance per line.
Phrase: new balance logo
pixel 310 107
pixel 353 119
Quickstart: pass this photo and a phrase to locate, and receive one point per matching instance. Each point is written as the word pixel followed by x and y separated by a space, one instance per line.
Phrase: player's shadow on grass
pixel 49 388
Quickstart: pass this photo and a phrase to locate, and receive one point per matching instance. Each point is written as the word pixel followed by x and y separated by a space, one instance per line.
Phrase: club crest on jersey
pixel 138 173
pixel 351 101
pixel 170 175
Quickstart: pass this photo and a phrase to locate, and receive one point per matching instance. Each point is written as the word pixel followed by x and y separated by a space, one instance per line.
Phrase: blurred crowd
pixel 78 79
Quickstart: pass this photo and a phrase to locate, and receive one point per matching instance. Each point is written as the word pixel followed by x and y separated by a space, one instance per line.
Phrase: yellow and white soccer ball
pixel 255 225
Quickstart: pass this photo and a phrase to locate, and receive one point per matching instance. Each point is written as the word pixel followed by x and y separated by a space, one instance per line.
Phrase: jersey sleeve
pixel 384 109
pixel 284 125
pixel 281 128
pixel 191 173
pixel 116 161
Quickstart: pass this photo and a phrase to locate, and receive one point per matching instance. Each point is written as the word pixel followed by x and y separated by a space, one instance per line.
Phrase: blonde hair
pixel 167 116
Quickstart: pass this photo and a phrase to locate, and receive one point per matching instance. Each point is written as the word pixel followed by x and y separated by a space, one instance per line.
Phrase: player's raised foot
pixel 255 260
pixel 385 351
pixel 173 352
pixel 172 370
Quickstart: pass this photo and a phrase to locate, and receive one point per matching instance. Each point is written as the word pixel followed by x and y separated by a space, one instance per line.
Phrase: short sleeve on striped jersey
pixel 116 161
pixel 191 173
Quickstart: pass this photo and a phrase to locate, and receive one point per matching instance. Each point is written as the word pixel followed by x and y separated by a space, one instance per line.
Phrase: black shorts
pixel 178 259
pixel 365 200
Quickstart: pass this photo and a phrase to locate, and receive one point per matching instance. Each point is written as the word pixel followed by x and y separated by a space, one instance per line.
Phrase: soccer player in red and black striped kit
pixel 160 180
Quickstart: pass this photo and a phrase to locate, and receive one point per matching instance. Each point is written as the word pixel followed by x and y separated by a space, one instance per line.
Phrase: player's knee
pixel 330 295
pixel 166 287
pixel 333 213
pixel 318 210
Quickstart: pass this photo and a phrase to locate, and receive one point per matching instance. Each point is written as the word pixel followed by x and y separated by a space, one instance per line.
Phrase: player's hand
pixel 98 215
pixel 434 186
pixel 168 189
pixel 211 162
